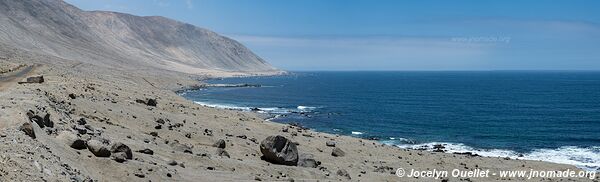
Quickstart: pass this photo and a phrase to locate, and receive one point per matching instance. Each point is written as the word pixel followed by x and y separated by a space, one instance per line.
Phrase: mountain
pixel 56 28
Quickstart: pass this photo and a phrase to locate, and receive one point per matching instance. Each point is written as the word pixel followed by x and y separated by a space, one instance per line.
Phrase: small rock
pixel 72 96
pixel 146 151
pixel 140 175
pixel 28 129
pixel 33 79
pixel 330 143
pixel 151 102
pixel 343 173
pixel 80 129
pixel 72 140
pixel 81 121
pixel 172 163
pixel 180 147
pixel 221 152
pixel 220 144
pixel 337 152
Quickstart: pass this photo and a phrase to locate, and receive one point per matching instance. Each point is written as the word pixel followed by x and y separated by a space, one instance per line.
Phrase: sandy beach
pixel 173 141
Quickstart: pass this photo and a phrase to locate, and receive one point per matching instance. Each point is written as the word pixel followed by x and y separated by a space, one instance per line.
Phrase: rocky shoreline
pixel 101 124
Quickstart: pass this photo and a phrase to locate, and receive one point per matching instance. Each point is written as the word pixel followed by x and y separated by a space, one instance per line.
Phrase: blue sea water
pixel 536 115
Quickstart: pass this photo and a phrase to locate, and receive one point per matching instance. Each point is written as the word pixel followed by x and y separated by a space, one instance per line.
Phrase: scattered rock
pixel 72 96
pixel 337 152
pixel 151 102
pixel 146 151
pixel 72 140
pixel 148 102
pixel 343 173
pixel 220 144
pixel 221 152
pixel 33 79
pixel 172 163
pixel 140 175
pixel 80 129
pixel 28 129
pixel 98 148
pixel 330 143
pixel 81 121
pixel 180 147
pixel 279 150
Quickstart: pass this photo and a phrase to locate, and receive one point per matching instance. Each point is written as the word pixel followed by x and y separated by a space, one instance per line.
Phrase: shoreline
pixel 443 147
pixel 109 104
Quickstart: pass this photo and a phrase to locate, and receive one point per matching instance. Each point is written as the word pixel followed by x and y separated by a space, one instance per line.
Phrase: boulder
pixel 28 129
pixel 72 140
pixel 279 150
pixel 121 148
pixel 221 152
pixel 98 148
pixel 307 160
pixel 330 143
pixel 337 152
pixel 220 144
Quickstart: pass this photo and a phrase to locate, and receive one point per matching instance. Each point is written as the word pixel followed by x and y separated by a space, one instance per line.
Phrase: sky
pixel 394 34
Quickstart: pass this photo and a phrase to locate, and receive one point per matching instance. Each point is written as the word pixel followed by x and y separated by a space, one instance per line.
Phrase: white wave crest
pixel 584 158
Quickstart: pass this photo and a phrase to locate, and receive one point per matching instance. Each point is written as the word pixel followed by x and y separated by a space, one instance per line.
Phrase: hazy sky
pixel 394 34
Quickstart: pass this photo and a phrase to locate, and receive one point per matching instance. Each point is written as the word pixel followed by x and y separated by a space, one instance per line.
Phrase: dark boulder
pixel 279 150
pixel 121 148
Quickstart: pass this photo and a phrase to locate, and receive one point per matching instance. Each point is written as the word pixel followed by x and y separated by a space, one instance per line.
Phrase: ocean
pixel 536 115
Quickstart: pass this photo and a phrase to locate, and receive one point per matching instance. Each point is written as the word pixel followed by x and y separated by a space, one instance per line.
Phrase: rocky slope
pixel 126 41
